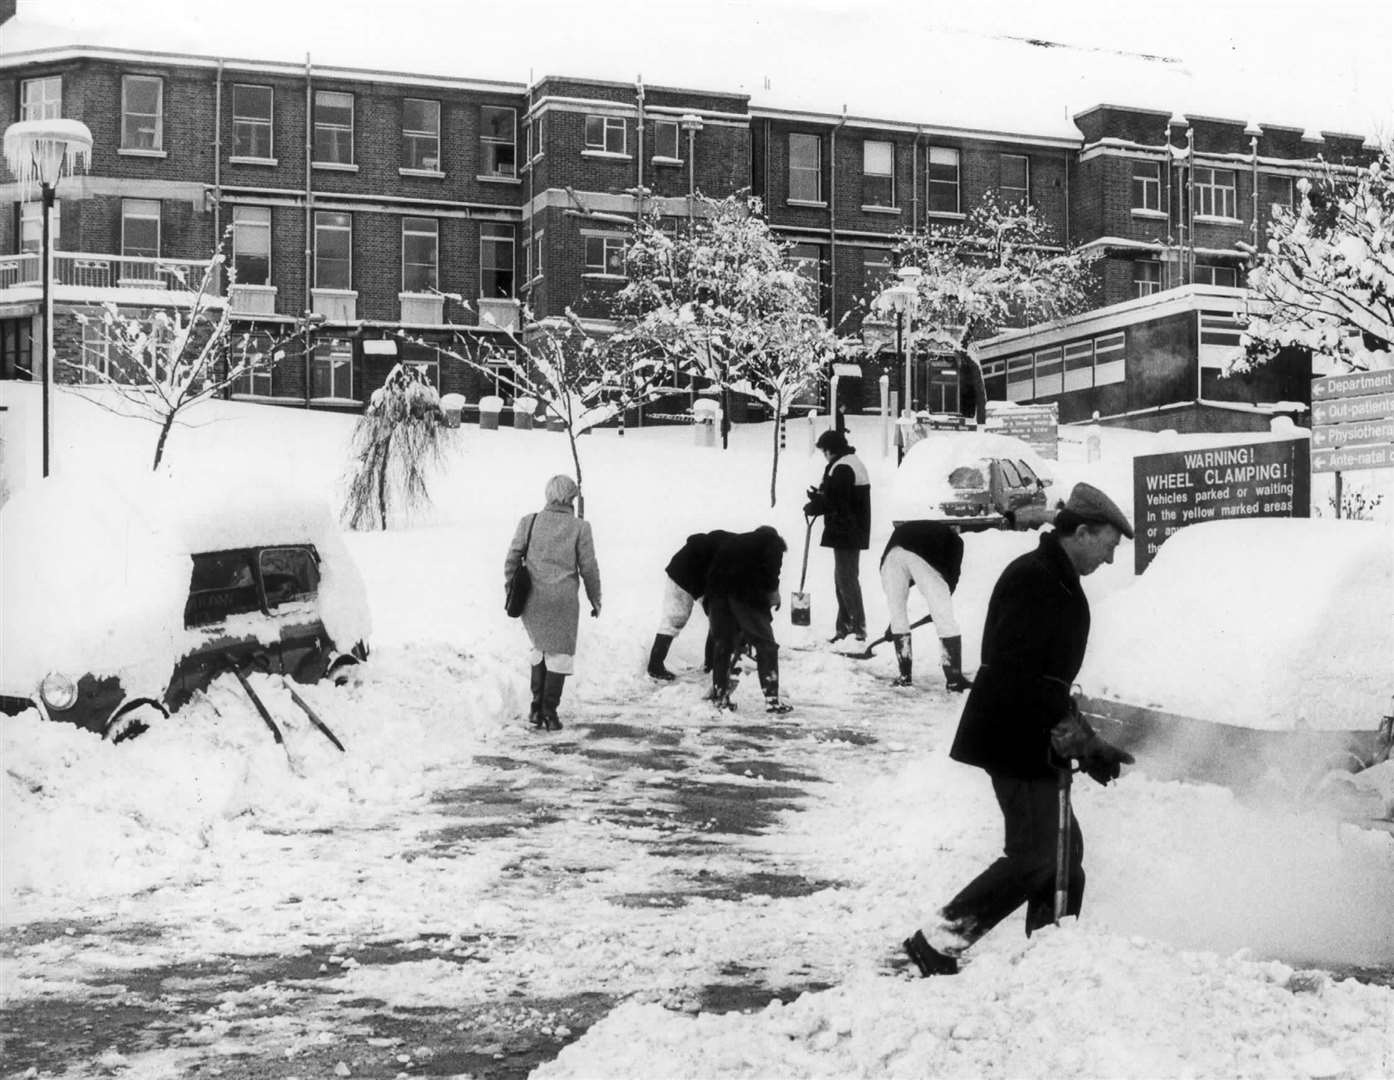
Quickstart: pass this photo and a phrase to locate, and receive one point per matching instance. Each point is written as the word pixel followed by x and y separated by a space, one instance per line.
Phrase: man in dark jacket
pixel 926 555
pixel 844 500
pixel 742 589
pixel 1033 645
pixel 685 582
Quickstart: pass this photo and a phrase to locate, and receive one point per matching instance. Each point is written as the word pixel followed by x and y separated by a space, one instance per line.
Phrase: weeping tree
pixel 162 363
pixel 579 380
pixel 398 442
pixel 725 303
pixel 1325 279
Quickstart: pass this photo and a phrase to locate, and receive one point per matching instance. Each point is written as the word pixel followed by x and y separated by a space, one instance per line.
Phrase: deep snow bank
pixel 1270 624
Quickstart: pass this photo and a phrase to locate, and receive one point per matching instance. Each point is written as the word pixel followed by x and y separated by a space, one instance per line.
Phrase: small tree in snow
pixel 164 362
pixel 1326 279
pixel 1000 267
pixel 722 301
pixel 398 441
pixel 580 381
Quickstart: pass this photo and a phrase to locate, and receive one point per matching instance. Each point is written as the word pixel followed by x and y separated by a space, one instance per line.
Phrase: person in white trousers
pixel 928 556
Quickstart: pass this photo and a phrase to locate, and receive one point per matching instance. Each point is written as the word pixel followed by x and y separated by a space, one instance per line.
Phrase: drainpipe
pixel 309 215
pixel 915 182
pixel 1254 131
pixel 218 157
pixel 639 192
pixel 1190 205
pixel 1065 156
pixel 530 145
pixel 767 165
pixel 691 123
pixel 832 220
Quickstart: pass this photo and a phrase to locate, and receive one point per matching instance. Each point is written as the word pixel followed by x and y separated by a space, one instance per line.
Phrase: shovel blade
pixel 800 609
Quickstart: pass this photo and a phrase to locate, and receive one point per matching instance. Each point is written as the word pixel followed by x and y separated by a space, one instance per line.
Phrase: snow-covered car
pixel 976 479
pixel 121 598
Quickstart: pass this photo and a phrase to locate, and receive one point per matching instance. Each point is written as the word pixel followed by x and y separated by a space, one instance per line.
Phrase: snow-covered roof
pixel 895 63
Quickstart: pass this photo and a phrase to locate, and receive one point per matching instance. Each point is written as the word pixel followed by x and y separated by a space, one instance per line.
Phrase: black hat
pixel 1093 507
pixel 834 441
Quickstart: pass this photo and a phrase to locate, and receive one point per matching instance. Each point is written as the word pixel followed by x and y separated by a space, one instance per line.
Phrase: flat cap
pixel 1091 505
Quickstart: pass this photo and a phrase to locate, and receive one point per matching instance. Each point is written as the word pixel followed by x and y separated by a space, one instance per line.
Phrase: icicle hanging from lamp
pixel 40 152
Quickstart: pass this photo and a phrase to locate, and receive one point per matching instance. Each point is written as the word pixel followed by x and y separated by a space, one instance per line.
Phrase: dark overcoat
pixel 746 567
pixel 688 568
pixel 1033 645
pixel 844 500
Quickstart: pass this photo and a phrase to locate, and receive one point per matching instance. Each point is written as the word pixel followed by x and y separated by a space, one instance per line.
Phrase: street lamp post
pixel 909 298
pixel 38 153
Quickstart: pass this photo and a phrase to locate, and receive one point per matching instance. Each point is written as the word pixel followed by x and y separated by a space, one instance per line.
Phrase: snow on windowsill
pixel 946 215
pixel 430 174
pixel 1158 215
pixel 486 179
pixel 881 210
pixel 234 160
pixel 1216 219
pixel 596 275
pixel 816 204
pixel 613 155
pixel 669 161
pixel 333 166
pixel 131 151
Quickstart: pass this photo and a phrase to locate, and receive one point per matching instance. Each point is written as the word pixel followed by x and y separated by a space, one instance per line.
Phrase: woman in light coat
pixel 560 553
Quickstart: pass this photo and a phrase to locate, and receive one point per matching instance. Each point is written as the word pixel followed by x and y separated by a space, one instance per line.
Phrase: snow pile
pixel 1270 624
pixel 102 585
pixel 1066 1003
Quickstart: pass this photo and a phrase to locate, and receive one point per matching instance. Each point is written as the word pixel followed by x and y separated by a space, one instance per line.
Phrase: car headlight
pixel 58 691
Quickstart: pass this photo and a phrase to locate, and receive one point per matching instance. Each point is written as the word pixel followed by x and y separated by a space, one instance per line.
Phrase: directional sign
pixel 1360 433
pixel 1352 385
pixel 1349 409
pixel 1347 459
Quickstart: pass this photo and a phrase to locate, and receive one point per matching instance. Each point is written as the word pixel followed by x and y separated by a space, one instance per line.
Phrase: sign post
pixel 1352 423
pixel 1172 490
pixel 1036 425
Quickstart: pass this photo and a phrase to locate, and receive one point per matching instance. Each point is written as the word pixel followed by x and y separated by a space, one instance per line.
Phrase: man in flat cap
pixel 1033 645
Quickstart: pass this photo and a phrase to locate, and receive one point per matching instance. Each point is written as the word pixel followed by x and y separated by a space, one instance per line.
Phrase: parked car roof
pixel 922 481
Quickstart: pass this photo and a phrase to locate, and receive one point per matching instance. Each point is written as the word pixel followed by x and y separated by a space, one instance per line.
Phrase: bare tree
pixel 166 361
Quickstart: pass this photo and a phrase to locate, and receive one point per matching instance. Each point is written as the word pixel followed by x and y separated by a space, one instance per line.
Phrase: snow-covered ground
pixel 1203 908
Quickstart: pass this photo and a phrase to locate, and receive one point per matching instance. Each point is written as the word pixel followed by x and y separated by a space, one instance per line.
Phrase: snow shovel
pixel 265 715
pixel 865 654
pixel 1063 779
pixel 314 716
pixel 800 604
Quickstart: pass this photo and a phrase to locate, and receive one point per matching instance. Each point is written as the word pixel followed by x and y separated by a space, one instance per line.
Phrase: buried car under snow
pixel 120 598
pixel 976 479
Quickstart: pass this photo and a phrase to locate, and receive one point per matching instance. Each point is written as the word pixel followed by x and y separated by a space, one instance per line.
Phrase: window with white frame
pixel 1049 379
pixel 496 260
pixel 878 173
pixel 421 134
pixel 1019 378
pixel 1226 276
pixel 1079 365
pixel 251 244
pixel 535 130
pixel 41 99
pixel 805 168
pixel 666 135
pixel 420 253
pixel 1109 359
pixel 605 255
pixel 535 255
pixel 333 128
pixel 1214 192
pixel 331 371
pixel 140 230
pixel 31 225
pixel 258 380
pixel 96 351
pixel 1014 179
pixel 942 196
pixel 876 268
pixel 333 250
pixel 1147 277
pixel 807 261
pixel 498 140
pixel 605 134
pixel 995 379
pixel 1147 185
pixel 251 121
pixel 142 112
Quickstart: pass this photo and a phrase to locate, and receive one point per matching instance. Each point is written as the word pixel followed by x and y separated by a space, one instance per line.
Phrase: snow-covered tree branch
pixel 1325 281
pixel 164 362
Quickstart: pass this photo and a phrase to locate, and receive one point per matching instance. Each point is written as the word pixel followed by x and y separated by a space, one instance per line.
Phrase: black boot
pixel 657 655
pixel 539 679
pixel 954 680
pixel 904 656
pixel 551 698
pixel 927 958
pixel 769 683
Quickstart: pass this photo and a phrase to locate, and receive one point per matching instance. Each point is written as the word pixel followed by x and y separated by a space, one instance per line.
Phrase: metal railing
pixel 81 269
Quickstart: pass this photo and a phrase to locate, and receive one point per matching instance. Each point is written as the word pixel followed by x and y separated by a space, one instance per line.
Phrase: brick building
pixel 395 206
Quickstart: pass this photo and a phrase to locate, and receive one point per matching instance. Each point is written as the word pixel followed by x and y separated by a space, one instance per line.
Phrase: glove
pixel 1104 761
pixel 775 600
pixel 595 610
pixel 811 492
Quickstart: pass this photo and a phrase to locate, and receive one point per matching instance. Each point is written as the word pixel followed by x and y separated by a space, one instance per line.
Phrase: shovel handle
pixel 807 538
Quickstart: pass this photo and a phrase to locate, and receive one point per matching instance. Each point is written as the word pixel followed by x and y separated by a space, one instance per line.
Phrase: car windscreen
pixel 1010 473
pixel 223 583
pixel 289 574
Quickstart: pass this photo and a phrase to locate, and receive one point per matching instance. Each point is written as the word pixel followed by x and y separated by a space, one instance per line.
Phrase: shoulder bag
pixel 515 596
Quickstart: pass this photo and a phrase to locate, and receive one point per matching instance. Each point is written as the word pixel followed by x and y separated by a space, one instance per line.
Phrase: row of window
pixel 1080 365
pixel 1147 276
pixel 253 129
pixel 943 195
pixel 1213 191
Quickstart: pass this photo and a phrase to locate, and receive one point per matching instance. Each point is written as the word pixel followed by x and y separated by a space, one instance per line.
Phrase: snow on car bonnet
pixel 922 480
pixel 1271 624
